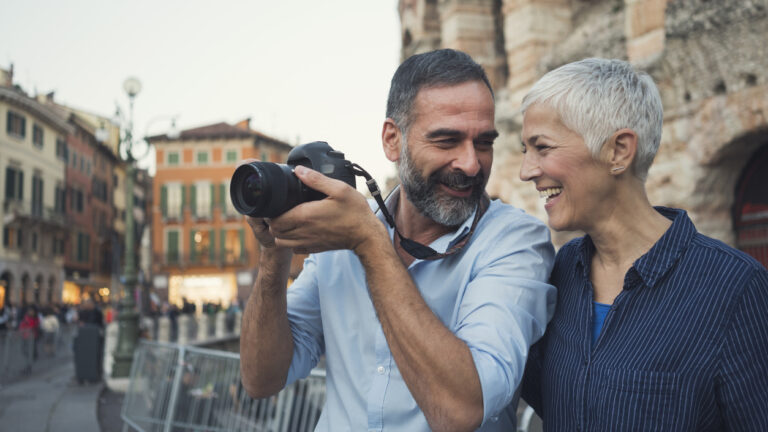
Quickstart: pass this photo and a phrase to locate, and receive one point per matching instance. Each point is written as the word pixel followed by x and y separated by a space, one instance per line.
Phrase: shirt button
pixel 380 370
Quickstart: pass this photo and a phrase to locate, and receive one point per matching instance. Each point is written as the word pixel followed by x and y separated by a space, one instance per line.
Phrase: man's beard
pixel 422 192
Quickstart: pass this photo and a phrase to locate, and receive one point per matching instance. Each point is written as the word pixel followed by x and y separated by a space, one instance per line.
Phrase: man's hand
pixel 343 220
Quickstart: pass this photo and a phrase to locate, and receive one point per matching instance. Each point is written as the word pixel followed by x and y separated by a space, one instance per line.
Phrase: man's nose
pixel 466 160
pixel 529 168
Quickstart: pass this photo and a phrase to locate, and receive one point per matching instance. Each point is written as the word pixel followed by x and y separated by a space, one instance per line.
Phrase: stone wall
pixel 708 58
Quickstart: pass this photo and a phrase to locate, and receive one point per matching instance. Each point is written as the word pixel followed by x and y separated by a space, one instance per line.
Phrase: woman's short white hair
pixel 596 97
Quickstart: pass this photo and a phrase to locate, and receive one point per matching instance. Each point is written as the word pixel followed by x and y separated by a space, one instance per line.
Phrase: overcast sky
pixel 303 70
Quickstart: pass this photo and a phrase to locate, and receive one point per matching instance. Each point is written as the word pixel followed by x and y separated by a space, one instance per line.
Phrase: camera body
pixel 267 189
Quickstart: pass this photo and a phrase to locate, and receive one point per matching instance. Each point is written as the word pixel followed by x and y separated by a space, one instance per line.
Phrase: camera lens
pixel 254 187
pixel 265 189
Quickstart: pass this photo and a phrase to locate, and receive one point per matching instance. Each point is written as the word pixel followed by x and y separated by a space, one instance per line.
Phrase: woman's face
pixel 577 188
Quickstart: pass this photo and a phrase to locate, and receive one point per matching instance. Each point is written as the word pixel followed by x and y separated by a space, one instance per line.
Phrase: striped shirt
pixel 684 347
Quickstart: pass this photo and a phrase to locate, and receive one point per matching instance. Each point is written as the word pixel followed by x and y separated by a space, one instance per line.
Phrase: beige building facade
pixel 32 183
pixel 708 59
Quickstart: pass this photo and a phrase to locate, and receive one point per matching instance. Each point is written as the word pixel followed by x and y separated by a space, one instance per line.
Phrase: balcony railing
pixel 24 211
pixel 204 259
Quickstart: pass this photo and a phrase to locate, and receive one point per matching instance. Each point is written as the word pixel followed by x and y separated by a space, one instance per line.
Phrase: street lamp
pixel 128 318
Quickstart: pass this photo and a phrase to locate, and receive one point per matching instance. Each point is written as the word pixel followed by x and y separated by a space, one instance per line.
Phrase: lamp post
pixel 128 318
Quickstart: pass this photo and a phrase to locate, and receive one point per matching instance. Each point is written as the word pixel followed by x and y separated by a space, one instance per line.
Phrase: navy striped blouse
pixel 683 348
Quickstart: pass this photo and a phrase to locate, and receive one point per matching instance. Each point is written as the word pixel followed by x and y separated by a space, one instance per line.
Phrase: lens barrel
pixel 265 189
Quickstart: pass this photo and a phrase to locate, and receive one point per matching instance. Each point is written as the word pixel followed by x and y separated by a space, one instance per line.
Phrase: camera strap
pixel 414 248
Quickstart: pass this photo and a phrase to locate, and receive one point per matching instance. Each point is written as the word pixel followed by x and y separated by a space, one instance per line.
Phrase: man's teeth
pixel 550 192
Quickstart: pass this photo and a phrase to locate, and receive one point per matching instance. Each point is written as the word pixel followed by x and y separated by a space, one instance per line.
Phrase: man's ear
pixel 391 140
pixel 621 149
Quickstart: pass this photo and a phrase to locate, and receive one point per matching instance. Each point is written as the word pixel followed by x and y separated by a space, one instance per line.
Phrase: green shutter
pixel 164 200
pixel 223 245
pixel 242 243
pixel 193 199
pixel 212 200
pixel 173 246
pixel 212 245
pixel 223 197
pixel 192 248
pixel 183 200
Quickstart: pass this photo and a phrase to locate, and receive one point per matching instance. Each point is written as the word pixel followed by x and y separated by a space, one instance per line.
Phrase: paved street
pixel 49 400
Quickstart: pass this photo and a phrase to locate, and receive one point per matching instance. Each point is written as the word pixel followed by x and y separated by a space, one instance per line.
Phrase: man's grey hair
pixel 439 68
pixel 596 97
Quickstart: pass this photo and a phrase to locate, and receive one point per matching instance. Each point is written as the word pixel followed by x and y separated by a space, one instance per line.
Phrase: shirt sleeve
pixel 305 321
pixel 743 388
pixel 506 308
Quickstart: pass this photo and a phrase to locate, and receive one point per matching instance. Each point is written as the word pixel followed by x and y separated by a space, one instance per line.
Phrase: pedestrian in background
pixel 50 329
pixel 29 330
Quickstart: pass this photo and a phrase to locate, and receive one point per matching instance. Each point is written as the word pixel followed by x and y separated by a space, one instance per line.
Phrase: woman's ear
pixel 391 140
pixel 620 150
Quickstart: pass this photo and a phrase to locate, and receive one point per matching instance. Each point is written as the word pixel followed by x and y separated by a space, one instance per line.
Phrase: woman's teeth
pixel 550 193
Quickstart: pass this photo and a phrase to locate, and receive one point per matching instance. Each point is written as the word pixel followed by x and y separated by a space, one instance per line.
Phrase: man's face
pixel 446 158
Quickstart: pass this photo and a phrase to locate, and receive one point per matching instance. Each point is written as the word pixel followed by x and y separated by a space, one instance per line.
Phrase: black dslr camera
pixel 266 189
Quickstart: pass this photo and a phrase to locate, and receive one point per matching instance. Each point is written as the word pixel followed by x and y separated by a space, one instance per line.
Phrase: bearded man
pixel 416 337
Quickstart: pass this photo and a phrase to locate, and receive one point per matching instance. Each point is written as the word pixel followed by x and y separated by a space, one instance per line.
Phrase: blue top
pixel 599 311
pixel 493 295
pixel 683 349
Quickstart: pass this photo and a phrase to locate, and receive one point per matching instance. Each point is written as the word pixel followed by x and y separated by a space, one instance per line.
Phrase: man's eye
pixel 522 148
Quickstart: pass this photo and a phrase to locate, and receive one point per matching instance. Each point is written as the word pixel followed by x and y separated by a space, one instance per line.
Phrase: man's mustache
pixel 458 179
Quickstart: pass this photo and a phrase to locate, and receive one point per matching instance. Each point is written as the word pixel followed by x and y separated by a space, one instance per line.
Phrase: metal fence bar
pixel 20 350
pixel 175 388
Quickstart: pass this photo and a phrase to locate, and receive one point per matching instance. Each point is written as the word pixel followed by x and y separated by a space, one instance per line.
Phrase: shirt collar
pixel 443 243
pixel 662 256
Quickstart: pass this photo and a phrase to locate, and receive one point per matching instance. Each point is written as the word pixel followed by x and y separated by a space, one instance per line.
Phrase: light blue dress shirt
pixel 493 295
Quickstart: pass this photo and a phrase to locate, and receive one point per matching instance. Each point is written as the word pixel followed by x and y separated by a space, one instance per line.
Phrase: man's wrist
pixel 375 239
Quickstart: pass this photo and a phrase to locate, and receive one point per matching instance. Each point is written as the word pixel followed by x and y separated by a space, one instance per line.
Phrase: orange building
pixel 202 248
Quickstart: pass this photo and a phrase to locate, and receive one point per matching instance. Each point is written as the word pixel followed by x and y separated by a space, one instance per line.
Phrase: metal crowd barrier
pixel 184 388
pixel 20 351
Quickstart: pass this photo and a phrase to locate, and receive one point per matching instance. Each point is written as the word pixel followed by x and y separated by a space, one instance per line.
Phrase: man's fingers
pixel 317 181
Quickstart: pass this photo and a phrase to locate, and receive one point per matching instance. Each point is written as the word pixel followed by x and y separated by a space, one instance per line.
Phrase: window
pixel 88 168
pixel 264 156
pixel 74 159
pixel 59 200
pixel 37 135
pixel 225 201
pixel 173 158
pixel 99 189
pixel 37 196
pixel 14 184
pixel 172 246
pixel 231 156
pixel 172 200
pixel 12 238
pixel 202 157
pixel 232 245
pixel 34 242
pixel 83 247
pixel 201 246
pixel 202 192
pixel 61 148
pixel 76 200
pixel 16 125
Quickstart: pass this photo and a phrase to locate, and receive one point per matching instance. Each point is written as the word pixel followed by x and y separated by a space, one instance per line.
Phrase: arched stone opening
pixel 713 197
pixel 750 207
pixel 26 293
pixel 6 289
pixel 52 292
pixel 36 288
